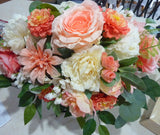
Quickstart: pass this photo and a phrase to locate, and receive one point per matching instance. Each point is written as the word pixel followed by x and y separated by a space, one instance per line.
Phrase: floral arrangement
pixel 82 60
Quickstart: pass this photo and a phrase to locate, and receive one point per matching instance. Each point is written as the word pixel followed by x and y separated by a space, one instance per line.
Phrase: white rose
pixel 128 46
pixel 84 69
pixel 15 32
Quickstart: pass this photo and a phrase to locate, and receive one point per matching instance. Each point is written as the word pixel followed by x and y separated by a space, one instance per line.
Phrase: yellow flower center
pixel 39 17
pixel 116 17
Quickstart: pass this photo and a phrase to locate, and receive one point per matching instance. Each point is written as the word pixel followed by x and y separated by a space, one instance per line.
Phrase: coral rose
pixel 84 69
pixel 40 22
pixel 78 103
pixel 8 62
pixel 149 54
pixel 102 102
pixel 79 27
pixel 109 63
pixel 107 75
pixel 115 24
pixel 112 91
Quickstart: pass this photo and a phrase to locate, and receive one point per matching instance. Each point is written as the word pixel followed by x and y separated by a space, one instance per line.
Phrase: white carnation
pixel 58 101
pixel 15 32
pixel 84 69
pixel 128 46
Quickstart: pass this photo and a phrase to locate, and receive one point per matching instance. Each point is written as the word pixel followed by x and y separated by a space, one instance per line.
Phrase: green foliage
pixel 108 41
pixel 151 29
pixel 26 99
pixel 88 94
pixel 40 88
pixel 127 62
pixel 127 69
pixel 65 52
pixel 103 130
pixel 81 121
pixel 38 105
pixel 89 127
pixel 149 20
pixel 29 113
pixel 133 80
pixel 114 55
pixel 49 104
pixel 25 88
pixel 5 82
pixel 130 112
pixel 119 122
pixel 39 5
pixel 56 109
pixel 106 117
pixel 153 88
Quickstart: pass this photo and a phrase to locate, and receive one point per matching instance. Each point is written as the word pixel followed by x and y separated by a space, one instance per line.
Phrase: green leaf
pixel 48 45
pixel 88 94
pixel 103 130
pixel 153 88
pixel 81 121
pixel 25 88
pixel 114 55
pixel 29 113
pixel 67 114
pixel 133 80
pixel 56 109
pixel 5 82
pixel 119 122
pixel 106 117
pixel 26 99
pixel 34 5
pixel 149 20
pixel 127 62
pixel 66 53
pixel 38 105
pixel 89 127
pixel 49 104
pixel 54 10
pixel 130 112
pixel 40 88
pixel 127 69
pixel 128 96
pixel 151 29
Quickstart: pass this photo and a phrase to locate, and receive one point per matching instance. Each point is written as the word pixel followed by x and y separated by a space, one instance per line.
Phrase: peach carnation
pixel 79 27
pixel 38 61
pixel 78 103
pixel 102 102
pixel 40 22
pixel 149 55
pixel 115 24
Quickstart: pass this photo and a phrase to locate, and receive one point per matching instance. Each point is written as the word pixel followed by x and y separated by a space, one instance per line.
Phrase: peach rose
pixel 109 63
pixel 79 27
pixel 107 75
pixel 78 103
pixel 40 22
pixel 115 24
pixel 149 55
pixel 8 62
pixel 102 101
pixel 112 91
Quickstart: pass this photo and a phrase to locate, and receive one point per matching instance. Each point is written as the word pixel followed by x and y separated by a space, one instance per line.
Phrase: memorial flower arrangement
pixel 81 60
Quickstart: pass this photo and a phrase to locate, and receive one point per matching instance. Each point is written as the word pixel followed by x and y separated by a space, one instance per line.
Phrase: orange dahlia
pixel 102 101
pixel 115 24
pixel 40 22
pixel 37 61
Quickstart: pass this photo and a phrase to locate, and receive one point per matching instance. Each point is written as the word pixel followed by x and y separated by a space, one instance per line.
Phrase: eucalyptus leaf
pixel 119 122
pixel 89 127
pixel 103 130
pixel 34 5
pixel 151 29
pixel 81 121
pixel 29 113
pixel 149 20
pixel 106 117
pixel 88 94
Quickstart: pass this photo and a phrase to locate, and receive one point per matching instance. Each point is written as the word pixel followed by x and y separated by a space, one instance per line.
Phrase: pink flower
pixel 78 103
pixel 109 63
pixel 8 62
pixel 108 75
pixel 79 27
pixel 115 24
pixel 102 101
pixel 149 55
pixel 38 61
pixel 40 22
pixel 139 25
pixel 112 91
